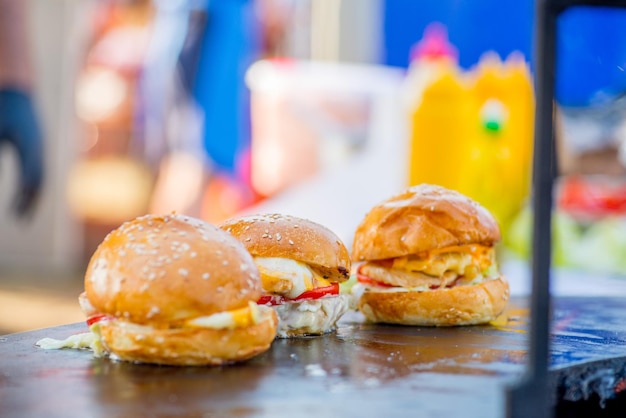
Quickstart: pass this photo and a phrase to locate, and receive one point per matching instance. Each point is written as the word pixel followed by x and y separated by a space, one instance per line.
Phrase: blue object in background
pixel 591 41
pixel 474 27
pixel 19 128
pixel 591 56
pixel 229 46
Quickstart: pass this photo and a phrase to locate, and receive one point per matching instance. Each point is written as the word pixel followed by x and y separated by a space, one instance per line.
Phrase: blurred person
pixel 19 127
pixel 229 45
pixel 194 117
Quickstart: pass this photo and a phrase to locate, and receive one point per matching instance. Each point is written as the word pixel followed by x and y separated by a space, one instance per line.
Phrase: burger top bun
pixel 161 269
pixel 422 218
pixel 275 235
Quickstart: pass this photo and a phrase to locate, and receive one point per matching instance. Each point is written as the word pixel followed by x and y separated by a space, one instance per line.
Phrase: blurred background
pixel 315 108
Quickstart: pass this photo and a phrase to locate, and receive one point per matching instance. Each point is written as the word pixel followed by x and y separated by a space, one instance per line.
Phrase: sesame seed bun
pixel 160 271
pixel 276 235
pixel 422 218
pixel 302 240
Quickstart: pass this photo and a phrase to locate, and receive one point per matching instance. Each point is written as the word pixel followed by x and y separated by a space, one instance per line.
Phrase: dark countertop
pixel 363 370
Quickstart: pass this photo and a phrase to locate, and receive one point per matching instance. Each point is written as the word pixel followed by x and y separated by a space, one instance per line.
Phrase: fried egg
pixel 289 278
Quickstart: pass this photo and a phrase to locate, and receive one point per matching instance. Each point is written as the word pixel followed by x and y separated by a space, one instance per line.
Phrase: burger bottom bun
pixel 310 317
pixel 461 305
pixel 188 346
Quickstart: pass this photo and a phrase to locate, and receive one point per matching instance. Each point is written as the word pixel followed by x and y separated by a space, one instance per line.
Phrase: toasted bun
pixel 461 305
pixel 274 235
pixel 164 269
pixel 153 273
pixel 310 317
pixel 422 218
pixel 188 346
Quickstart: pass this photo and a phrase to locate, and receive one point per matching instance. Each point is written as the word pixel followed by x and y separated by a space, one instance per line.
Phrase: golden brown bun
pixel 461 305
pixel 188 346
pixel 275 235
pixel 164 269
pixel 422 218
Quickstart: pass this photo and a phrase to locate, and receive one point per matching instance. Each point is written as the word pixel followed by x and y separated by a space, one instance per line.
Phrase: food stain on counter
pixel 389 352
pixel 512 320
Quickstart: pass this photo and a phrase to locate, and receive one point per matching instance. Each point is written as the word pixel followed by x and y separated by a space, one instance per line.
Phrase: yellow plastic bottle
pixel 498 166
pixel 439 110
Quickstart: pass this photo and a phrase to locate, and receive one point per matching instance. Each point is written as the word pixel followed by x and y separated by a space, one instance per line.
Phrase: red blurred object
pixel 224 197
pixel 317 293
pixel 592 197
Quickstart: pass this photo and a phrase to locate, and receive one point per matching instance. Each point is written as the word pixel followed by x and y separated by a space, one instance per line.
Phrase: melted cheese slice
pixel 289 278
pixel 238 318
pixel 456 260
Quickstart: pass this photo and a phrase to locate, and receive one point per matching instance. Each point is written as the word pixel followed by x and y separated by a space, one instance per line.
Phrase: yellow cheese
pixel 238 318
pixel 457 260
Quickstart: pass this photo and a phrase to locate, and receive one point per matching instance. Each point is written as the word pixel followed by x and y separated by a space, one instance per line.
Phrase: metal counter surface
pixel 363 370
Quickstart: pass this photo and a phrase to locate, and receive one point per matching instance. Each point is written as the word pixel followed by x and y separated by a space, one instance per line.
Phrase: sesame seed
pixel 290 242
pixel 206 276
pixel 225 262
pixel 278 236
pixel 264 236
pixel 183 272
pixel 247 239
pixel 219 289
pixel 153 311
pixel 193 254
pixel 296 226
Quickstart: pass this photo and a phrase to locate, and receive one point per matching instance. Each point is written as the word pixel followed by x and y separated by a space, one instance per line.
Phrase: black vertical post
pixel 531 397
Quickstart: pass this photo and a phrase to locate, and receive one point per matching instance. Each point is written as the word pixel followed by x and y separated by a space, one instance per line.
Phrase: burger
pixel 176 290
pixel 426 257
pixel 301 265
